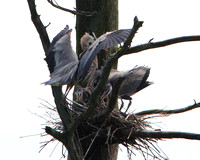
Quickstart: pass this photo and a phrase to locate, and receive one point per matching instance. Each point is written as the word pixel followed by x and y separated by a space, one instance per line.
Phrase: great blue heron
pixel 135 80
pixel 68 69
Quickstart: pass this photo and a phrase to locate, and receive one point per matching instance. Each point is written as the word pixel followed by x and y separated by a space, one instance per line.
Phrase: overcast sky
pixel 174 71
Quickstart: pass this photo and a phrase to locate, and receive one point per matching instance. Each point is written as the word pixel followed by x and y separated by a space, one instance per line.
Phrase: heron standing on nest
pixel 135 80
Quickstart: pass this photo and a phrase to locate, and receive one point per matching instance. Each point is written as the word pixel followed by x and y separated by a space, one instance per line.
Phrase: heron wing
pixel 50 53
pixel 63 74
pixel 105 41
pixel 136 80
pixel 58 36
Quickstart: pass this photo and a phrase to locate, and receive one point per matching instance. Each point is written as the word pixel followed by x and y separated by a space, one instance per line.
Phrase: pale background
pixel 174 71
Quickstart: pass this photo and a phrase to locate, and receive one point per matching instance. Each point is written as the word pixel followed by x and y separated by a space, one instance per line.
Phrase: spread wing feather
pixel 105 41
pixel 63 74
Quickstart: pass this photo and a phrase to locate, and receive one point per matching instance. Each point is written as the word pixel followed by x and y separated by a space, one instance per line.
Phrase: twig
pixel 54 149
pixel 108 134
pixel 46 143
pixel 63 152
pixel 94 139
pixel 77 104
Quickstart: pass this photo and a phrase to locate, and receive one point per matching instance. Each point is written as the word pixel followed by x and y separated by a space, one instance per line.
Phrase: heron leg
pixel 122 105
pixel 129 104
pixel 127 97
pixel 69 87
pixel 67 90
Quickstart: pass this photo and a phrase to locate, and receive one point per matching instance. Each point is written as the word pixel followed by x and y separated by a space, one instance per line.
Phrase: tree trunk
pixel 105 19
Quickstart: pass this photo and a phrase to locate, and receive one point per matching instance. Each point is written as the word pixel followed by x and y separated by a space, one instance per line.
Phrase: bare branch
pixel 167 112
pixel 63 112
pixel 165 135
pixel 57 91
pixel 151 45
pixel 41 29
pixel 125 48
pixel 75 12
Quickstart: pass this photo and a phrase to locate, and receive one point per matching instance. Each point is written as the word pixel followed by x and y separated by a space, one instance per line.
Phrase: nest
pixel 117 128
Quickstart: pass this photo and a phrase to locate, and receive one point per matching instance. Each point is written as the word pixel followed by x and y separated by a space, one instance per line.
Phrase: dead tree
pixel 95 133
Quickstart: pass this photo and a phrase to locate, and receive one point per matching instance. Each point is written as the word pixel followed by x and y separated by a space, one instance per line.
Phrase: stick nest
pixel 117 128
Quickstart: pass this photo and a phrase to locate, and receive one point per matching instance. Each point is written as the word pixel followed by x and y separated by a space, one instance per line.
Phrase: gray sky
pixel 174 71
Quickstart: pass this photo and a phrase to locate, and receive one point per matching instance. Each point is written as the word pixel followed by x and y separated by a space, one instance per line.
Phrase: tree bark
pixel 104 20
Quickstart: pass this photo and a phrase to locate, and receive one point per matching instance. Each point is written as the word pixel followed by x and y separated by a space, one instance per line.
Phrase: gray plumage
pixel 50 53
pixel 136 80
pixel 57 37
pixel 66 62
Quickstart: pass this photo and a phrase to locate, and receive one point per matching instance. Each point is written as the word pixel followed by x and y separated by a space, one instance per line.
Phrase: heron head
pixel 86 41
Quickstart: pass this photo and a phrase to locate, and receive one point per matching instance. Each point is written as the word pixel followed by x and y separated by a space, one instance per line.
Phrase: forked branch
pixel 75 12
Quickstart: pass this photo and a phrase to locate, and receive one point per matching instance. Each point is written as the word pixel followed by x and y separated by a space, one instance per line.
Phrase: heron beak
pixel 69 32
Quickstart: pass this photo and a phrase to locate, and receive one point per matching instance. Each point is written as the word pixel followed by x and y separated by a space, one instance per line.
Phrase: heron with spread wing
pixel 68 69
